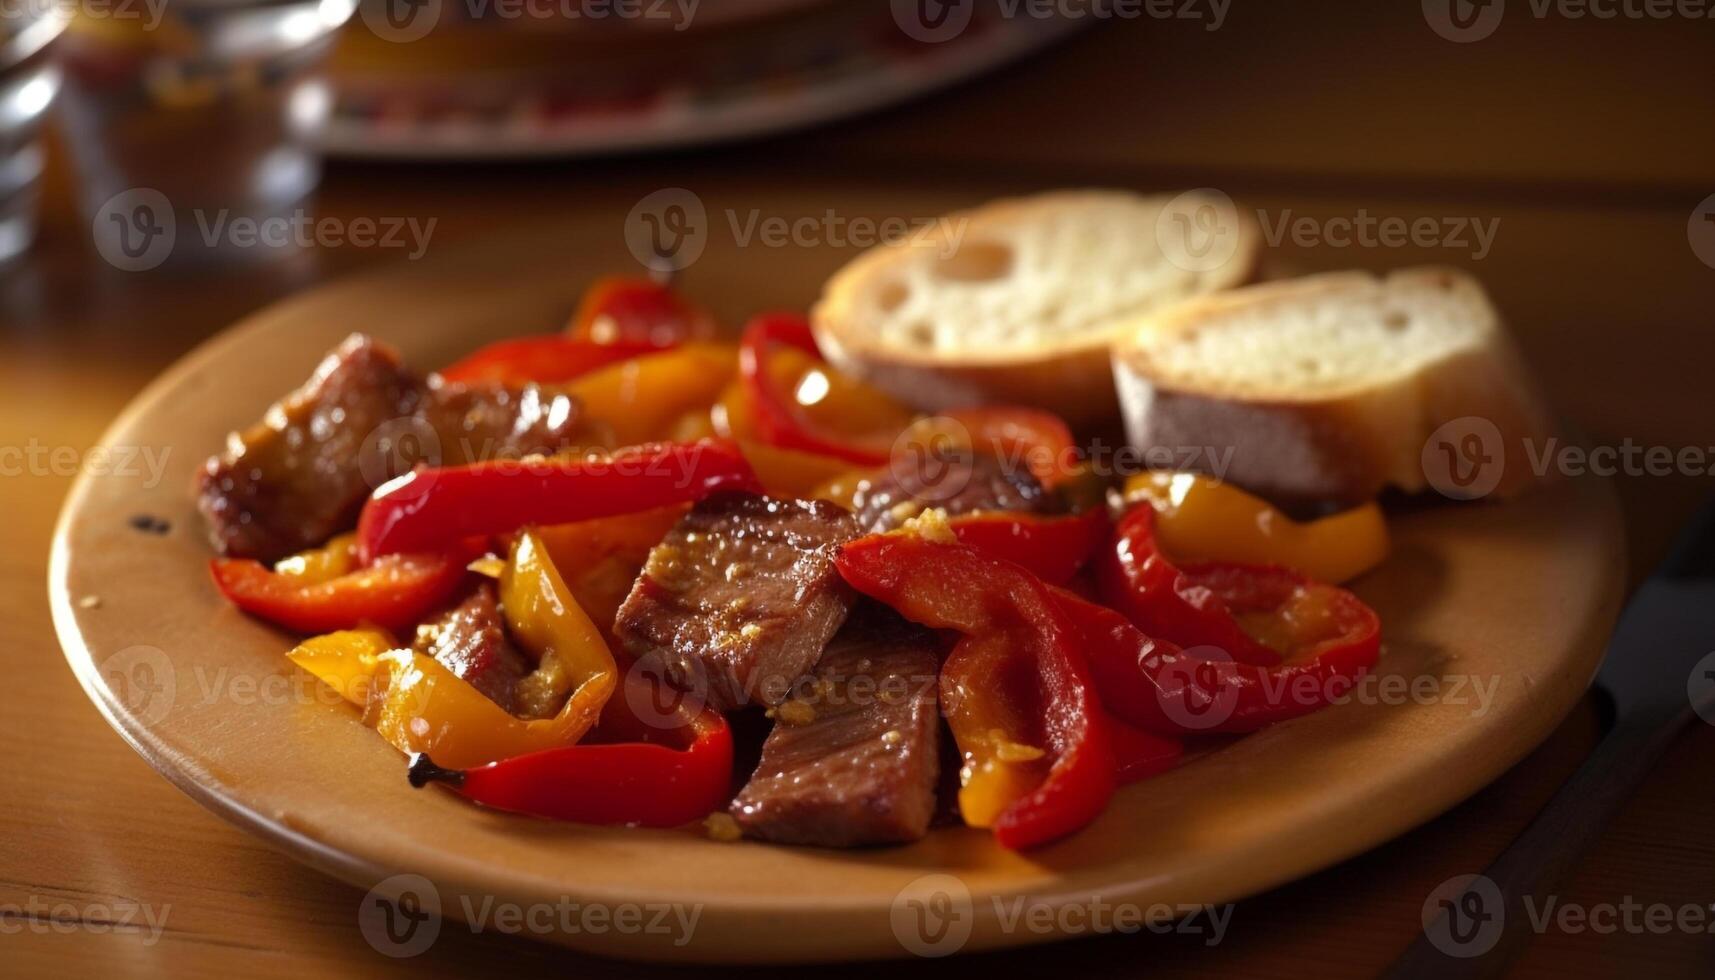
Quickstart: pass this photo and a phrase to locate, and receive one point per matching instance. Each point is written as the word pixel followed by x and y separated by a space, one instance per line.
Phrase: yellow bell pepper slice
pixel 317 565
pixel 644 399
pixel 547 621
pixel 997 772
pixel 791 473
pixel 429 709
pixel 601 559
pixel 691 426
pixel 1199 518
pixel 418 705
pixel 733 416
pixel 835 403
pixel 345 661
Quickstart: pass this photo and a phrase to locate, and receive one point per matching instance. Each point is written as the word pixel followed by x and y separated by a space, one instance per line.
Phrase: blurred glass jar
pixel 185 116
pixel 28 82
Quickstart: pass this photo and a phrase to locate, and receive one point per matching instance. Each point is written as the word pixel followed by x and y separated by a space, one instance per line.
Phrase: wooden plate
pixel 1495 618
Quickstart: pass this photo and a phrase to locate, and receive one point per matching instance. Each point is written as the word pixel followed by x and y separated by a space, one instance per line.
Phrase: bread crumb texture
pixel 1019 275
pixel 1316 336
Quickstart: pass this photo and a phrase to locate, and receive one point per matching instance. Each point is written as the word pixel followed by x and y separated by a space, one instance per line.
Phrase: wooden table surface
pixel 1586 140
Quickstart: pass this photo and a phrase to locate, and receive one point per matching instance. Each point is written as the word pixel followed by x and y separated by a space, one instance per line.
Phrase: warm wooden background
pixel 1589 140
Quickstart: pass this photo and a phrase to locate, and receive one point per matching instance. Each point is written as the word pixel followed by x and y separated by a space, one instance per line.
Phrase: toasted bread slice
pixel 1329 388
pixel 1017 301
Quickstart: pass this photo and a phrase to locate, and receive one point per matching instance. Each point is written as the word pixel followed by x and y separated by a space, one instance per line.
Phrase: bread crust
pixel 1345 447
pixel 1069 376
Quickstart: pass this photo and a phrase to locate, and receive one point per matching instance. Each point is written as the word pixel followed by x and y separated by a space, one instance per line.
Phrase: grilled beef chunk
pixel 741 596
pixel 470 640
pixel 854 758
pixel 302 473
pixel 959 485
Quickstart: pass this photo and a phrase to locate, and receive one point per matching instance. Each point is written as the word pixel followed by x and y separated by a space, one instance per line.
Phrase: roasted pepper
pixel 1161 688
pixel 418 705
pixel 637 783
pixel 1163 601
pixel 424 510
pixel 618 310
pixel 798 402
pixel 1015 690
pixel 789 472
pixel 346 661
pixel 993 702
pixel 1053 548
pixel 1260 643
pixel 544 360
pixel 317 592
pixel 600 559
pixel 1140 754
pixel 1201 519
pixel 426 708
pixel 643 399
pixel 547 621
pixel 1257 614
pixel 316 565
pixel 732 416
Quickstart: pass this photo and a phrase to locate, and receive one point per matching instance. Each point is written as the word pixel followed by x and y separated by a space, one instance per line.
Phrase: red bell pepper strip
pixel 1017 663
pixel 1164 601
pixel 778 422
pixel 425 509
pixel 1054 549
pixel 618 310
pixel 543 360
pixel 1320 639
pixel 1139 754
pixel 393 593
pixel 1160 688
pixel 636 783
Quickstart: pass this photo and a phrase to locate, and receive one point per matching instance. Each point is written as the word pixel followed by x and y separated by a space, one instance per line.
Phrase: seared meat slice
pixel 959 485
pixel 301 474
pixel 854 759
pixel 470 640
pixel 741 596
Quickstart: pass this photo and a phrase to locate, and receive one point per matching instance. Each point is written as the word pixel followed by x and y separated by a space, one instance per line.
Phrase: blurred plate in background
pixel 531 78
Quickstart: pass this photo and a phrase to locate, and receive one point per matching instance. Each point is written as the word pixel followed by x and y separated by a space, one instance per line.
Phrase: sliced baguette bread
pixel 1329 388
pixel 1017 301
